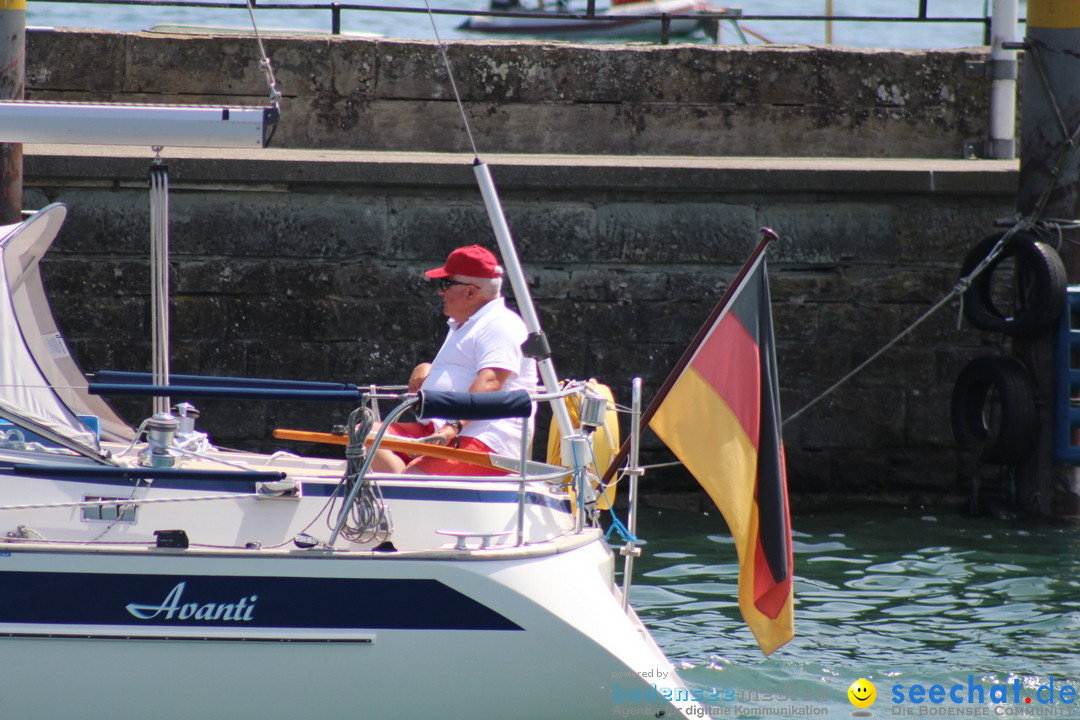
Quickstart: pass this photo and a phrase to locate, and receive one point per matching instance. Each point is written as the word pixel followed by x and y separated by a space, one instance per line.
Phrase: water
pixel 898 598
pixel 408 25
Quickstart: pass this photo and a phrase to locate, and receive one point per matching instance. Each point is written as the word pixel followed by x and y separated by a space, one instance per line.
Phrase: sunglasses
pixel 447 283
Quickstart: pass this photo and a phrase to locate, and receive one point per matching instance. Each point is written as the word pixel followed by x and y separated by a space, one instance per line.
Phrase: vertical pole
pixel 516 276
pixel 159 274
pixel 828 23
pixel 12 87
pixel 633 471
pixel 1003 80
pixel 1050 116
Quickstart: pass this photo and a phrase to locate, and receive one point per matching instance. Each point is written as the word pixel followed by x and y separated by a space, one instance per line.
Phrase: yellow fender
pixel 605 441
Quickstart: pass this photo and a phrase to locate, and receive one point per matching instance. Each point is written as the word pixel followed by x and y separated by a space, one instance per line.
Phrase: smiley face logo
pixel 862 693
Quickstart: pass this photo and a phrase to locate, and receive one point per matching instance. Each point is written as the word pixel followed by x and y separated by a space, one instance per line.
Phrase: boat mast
pixel 536 346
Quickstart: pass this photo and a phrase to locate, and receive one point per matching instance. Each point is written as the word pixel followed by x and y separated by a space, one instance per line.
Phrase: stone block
pixel 249 277
pixel 228 359
pixel 678 232
pixel 855 418
pixel 110 223
pixel 207 65
pixel 929 421
pixel 289 361
pixel 861 328
pixel 590 321
pixel 426 231
pixel 701 283
pixel 285 225
pixel 82 60
pixel 948 232
pixel 798 287
pixel 331 121
pixel 922 471
pixel 354 64
pixel 834 232
pixel 230 422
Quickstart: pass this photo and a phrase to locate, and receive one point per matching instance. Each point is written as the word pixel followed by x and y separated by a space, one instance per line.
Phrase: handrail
pixel 719 14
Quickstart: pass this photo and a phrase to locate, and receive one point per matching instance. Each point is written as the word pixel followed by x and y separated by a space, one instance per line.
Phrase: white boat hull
pixel 616 22
pixel 538 633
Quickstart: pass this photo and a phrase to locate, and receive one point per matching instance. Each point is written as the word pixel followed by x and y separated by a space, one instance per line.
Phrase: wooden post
pixel 1050 118
pixel 12 87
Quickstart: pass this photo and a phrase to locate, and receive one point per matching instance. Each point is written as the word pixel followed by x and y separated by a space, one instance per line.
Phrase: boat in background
pixel 621 20
pixel 224 30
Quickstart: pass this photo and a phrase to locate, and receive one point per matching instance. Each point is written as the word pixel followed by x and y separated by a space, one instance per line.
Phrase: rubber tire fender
pixel 1004 381
pixel 1040 268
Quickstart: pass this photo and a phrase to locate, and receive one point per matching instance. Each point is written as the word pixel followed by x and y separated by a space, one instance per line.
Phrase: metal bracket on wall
pixel 974 150
pixel 990 70
pixel 976 69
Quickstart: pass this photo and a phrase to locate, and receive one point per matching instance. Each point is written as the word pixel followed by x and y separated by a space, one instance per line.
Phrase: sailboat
pixel 146 564
pixel 621 20
pixel 144 570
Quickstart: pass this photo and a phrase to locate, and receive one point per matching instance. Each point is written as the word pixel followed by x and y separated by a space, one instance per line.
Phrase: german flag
pixel 721 418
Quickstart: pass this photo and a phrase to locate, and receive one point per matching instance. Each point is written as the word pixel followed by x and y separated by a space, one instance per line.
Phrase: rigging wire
pixel 453 83
pixel 264 61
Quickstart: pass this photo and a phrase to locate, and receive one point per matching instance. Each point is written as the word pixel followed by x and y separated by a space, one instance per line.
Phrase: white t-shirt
pixel 491 338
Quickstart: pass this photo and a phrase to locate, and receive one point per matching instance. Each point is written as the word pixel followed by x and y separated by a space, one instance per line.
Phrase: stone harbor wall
pixel 308 265
pixel 547 97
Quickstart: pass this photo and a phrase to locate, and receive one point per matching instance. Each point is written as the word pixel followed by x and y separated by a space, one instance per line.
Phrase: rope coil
pixel 367 518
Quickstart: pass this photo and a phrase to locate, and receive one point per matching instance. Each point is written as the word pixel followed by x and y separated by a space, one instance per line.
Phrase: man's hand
pixel 443 436
pixel 419 375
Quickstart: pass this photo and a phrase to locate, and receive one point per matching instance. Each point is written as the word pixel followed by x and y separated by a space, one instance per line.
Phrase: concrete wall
pixel 307 265
pixel 536 97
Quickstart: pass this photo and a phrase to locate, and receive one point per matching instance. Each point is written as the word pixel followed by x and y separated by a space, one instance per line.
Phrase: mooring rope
pixel 959 289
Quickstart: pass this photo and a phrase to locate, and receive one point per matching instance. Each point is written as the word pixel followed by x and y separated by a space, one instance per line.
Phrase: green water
pixel 899 598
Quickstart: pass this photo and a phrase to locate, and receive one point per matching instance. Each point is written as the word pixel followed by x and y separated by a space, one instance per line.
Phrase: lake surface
pixel 411 25
pixel 898 598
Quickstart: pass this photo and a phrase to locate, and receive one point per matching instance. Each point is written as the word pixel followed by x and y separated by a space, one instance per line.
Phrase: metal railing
pixel 590 15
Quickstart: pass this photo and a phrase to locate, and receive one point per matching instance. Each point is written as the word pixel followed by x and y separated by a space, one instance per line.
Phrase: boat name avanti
pixel 173 608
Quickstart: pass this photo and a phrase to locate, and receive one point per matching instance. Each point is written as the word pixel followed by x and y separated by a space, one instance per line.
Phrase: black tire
pixel 993 410
pixel 1038 287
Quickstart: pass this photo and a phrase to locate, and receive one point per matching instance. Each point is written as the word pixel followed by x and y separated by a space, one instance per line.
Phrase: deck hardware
pixel 160 431
pixel 485 538
pixel 288 488
pixel 171 539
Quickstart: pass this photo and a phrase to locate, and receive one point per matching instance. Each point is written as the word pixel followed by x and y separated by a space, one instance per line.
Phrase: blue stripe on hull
pixel 212 601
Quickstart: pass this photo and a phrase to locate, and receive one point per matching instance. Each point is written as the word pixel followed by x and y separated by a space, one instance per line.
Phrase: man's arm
pixel 490 380
pixel 487 380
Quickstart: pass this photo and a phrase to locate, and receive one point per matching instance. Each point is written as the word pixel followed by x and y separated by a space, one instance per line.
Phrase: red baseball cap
pixel 472 261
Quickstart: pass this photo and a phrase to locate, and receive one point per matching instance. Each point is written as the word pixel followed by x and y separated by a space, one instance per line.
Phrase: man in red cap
pixel 481 353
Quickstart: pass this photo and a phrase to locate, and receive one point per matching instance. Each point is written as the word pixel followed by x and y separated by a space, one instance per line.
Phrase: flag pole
pixel 768 235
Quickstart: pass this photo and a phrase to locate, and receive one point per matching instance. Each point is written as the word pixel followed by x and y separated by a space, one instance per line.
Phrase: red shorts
pixel 440 466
